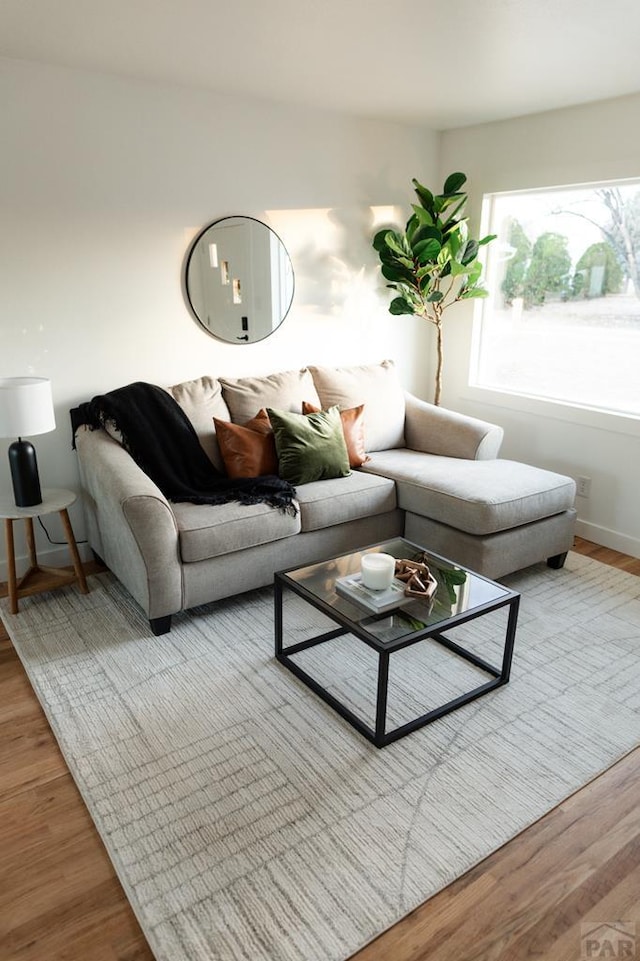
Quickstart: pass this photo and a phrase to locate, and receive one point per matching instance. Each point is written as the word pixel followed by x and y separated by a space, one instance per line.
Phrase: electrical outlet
pixel 584 486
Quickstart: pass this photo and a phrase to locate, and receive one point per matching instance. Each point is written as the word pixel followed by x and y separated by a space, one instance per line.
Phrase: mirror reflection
pixel 239 279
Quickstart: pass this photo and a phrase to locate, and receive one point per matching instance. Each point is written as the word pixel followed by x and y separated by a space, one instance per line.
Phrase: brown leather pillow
pixel 249 450
pixel 353 430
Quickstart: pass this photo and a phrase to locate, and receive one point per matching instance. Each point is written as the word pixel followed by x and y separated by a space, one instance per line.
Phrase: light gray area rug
pixel 247 821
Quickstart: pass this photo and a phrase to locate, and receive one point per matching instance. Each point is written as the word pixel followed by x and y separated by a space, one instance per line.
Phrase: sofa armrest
pixel 436 430
pixel 130 523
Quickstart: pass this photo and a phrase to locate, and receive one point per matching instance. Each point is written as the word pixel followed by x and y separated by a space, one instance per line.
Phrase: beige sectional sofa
pixel 433 475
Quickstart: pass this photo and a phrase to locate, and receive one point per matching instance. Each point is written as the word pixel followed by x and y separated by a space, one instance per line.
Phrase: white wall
pixel 104 181
pixel 579 145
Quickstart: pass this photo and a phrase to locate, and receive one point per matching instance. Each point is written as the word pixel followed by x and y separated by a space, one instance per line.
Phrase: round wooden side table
pixel 39 578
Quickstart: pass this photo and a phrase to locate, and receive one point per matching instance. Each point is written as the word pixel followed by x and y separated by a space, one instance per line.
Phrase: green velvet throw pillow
pixel 310 447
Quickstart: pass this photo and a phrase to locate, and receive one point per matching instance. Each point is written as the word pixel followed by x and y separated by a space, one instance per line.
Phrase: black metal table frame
pixel 380 736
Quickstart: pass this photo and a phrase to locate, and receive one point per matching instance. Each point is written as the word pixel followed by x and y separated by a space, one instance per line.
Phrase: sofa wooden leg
pixel 160 625
pixel 557 561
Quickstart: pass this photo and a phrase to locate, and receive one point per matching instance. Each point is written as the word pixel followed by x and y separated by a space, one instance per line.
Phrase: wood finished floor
pixel 61 901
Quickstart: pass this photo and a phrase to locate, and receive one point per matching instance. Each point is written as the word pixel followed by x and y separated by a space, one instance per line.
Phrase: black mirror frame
pixel 185 274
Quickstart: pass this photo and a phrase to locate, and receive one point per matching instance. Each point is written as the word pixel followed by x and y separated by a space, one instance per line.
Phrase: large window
pixel 562 320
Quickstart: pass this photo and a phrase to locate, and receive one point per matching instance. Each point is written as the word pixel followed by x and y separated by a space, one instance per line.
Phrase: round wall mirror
pixel 239 280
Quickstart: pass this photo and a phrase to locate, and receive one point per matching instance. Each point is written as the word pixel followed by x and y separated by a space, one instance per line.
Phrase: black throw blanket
pixel 163 442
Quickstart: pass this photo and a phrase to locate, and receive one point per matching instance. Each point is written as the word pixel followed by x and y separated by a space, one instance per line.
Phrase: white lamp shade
pixel 26 406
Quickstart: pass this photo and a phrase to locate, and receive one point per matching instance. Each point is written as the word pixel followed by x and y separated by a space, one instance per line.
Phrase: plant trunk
pixel 440 355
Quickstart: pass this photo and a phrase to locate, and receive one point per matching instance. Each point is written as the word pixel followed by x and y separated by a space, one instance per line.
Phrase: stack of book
pixel 387 599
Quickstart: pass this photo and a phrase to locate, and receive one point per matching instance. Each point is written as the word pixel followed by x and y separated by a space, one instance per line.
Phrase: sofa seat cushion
pixel 329 502
pixel 206 530
pixel 477 496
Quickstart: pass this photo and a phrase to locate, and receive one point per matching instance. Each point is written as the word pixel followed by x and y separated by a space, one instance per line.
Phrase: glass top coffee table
pixel 462 596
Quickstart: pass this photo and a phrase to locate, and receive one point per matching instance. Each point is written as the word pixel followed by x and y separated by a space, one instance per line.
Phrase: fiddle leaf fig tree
pixel 433 263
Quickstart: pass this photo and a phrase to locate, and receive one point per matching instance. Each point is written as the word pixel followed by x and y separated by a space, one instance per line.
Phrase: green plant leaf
pixel 396 242
pixel 475 269
pixel 424 232
pixel 445 202
pixel 398 274
pixel 458 269
pixel 434 296
pixel 487 239
pixel 458 226
pixel 451 578
pixel 450 222
pixel 427 250
pixel 453 242
pixel 425 270
pixel 445 255
pixel 423 215
pixel 463 229
pixel 470 252
pixel 400 306
pixel 470 292
pixel 413 224
pixel 453 575
pixel 380 239
pixel 394 259
pixel 453 183
pixel 424 195
pixel 413 622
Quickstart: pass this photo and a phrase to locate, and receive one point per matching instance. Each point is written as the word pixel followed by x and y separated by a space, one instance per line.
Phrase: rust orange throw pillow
pixel 249 450
pixel 353 430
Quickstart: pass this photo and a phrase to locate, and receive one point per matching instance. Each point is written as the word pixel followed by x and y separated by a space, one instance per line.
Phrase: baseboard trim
pixel 608 538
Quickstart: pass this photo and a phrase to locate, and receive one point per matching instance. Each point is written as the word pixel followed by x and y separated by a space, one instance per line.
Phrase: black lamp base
pixel 24 474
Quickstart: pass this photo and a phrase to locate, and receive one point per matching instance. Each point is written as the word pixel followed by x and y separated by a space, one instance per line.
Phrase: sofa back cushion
pixel 202 400
pixel 245 396
pixel 374 385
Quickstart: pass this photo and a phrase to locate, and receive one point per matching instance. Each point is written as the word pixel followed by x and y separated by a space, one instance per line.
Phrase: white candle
pixel 378 571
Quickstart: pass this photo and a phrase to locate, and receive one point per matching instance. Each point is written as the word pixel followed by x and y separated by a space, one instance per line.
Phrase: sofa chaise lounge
pixel 432 475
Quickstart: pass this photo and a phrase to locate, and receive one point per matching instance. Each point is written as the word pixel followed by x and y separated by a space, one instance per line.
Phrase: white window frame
pixel 509 397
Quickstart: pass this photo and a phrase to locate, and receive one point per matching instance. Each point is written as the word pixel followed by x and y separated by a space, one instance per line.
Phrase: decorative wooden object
pixel 418 579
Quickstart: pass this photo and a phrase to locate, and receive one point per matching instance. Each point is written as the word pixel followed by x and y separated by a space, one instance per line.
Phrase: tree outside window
pixel 562 321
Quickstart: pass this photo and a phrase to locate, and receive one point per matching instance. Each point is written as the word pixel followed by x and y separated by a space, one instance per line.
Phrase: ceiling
pixel 446 64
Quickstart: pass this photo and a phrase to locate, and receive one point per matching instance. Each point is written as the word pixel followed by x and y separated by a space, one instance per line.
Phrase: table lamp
pixel 26 408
